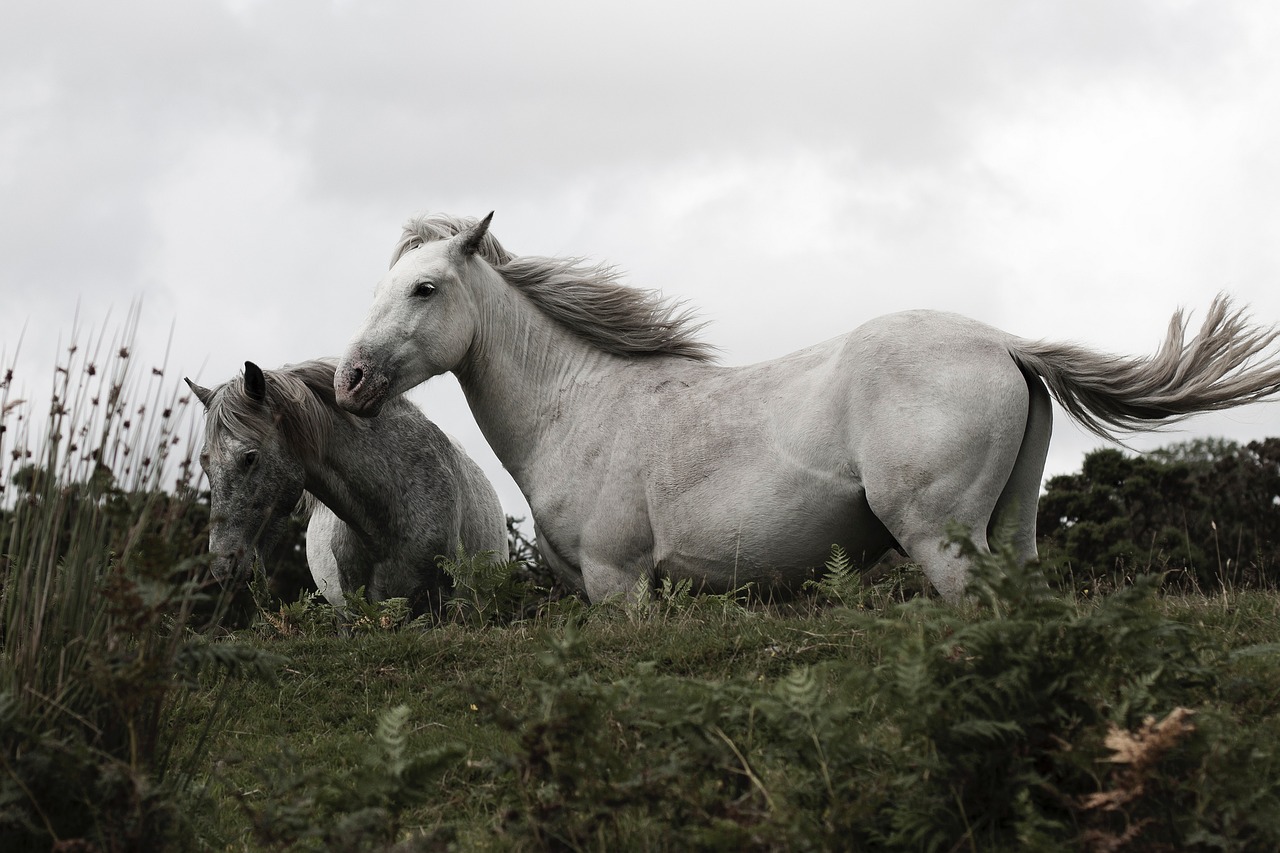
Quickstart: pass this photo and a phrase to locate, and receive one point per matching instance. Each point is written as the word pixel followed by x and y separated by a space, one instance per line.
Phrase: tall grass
pixel 102 584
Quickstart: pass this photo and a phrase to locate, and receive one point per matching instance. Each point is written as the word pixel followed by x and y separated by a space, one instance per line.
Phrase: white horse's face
pixel 420 325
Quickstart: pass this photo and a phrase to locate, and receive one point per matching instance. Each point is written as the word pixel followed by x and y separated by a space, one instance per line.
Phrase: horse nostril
pixel 354 376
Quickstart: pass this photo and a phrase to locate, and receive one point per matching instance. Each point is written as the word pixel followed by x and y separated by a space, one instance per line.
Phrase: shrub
pixel 1205 512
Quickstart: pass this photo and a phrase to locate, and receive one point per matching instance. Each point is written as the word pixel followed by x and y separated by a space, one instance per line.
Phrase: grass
pixel 665 718
pixel 99 593
pixel 457 682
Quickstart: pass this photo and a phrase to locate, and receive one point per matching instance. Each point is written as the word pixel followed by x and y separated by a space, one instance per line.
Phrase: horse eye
pixel 424 288
pixel 250 457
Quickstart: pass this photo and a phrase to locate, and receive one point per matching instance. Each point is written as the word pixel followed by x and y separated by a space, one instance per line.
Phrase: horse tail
pixel 1226 365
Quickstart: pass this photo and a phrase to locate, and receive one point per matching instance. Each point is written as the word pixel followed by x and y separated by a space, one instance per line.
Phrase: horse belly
pixel 777 532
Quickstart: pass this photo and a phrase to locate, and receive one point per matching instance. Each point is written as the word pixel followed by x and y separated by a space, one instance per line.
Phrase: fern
pixel 349 807
pixel 676 593
pixel 392 739
pixel 679 596
pixel 393 613
pixel 800 690
pixel 199 655
pixel 486 590
pixel 840 582
pixel 310 615
pixel 838 564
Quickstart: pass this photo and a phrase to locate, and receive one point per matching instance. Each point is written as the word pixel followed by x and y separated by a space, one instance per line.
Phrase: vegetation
pixel 1041 715
pixel 1028 720
pixel 99 567
pixel 1207 512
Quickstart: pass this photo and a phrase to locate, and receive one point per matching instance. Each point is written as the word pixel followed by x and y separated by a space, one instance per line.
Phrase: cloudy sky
pixel 1070 170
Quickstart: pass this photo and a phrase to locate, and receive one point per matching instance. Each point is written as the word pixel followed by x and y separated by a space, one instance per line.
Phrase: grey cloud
pixel 527 95
pixel 570 118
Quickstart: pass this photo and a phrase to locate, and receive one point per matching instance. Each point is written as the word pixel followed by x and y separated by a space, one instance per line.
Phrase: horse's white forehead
pixel 420 261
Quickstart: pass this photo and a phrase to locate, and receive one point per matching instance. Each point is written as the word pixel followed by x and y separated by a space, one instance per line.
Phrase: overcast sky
pixel 1069 170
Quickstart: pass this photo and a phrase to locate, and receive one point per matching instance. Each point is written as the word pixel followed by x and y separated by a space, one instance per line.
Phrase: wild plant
pixel 308 616
pixel 486 590
pixel 602 763
pixel 542 580
pixel 999 724
pixel 101 571
pixel 357 806
pixel 844 583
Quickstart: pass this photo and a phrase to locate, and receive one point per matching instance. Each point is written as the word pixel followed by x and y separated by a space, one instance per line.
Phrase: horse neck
pixel 349 474
pixel 518 370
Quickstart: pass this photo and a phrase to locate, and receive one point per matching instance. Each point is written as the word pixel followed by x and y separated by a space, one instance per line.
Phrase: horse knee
pixel 603 582
pixel 948 573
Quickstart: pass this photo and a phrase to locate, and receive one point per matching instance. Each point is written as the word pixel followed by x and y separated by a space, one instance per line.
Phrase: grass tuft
pixel 102 573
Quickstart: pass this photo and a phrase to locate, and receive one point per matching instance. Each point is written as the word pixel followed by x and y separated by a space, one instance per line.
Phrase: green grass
pixel 680 728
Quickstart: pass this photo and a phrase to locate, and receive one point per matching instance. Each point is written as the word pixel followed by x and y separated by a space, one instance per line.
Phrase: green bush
pixel 1205 512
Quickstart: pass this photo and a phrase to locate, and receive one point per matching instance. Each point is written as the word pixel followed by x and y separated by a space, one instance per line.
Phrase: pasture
pixel 1130 721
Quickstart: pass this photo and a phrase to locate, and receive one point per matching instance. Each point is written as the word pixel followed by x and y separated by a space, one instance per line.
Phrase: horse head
pixel 255 477
pixel 421 323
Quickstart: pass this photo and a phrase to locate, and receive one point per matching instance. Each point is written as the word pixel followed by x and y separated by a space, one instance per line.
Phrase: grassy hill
pixel 1023 721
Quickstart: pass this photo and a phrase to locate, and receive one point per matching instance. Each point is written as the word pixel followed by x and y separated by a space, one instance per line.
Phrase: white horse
pixel 640 458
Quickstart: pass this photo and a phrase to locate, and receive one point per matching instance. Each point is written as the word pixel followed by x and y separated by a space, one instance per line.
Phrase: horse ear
pixel 255 384
pixel 469 240
pixel 204 395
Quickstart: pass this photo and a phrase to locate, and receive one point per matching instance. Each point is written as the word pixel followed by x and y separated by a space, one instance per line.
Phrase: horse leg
pixel 603 581
pixel 938 471
pixel 324 533
pixel 920 529
pixel 1021 495
pixel 566 571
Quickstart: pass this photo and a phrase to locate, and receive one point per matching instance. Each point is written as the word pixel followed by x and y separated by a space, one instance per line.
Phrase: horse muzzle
pixel 359 389
pixel 230 567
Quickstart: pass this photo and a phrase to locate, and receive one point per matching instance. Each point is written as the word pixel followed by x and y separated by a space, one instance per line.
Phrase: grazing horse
pixel 389 494
pixel 641 458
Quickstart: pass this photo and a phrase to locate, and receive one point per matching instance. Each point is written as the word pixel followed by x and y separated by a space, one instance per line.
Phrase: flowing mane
pixel 300 395
pixel 585 298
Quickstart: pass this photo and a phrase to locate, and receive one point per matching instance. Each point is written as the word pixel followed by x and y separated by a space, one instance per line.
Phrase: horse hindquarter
pixel 943 413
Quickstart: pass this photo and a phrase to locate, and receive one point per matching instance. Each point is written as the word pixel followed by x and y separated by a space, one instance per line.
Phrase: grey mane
pixel 585 298
pixel 429 227
pixel 299 396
